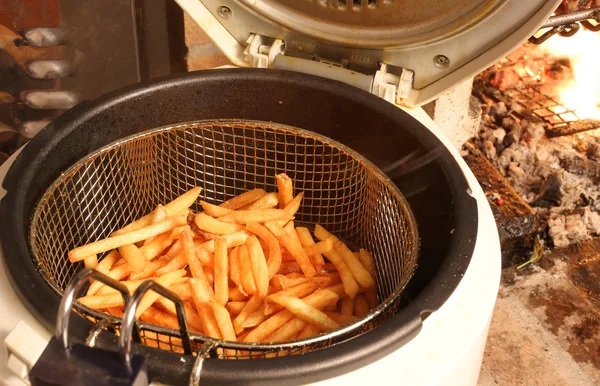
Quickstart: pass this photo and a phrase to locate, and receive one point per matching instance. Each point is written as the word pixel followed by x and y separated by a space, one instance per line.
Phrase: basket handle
pixel 82 364
pixel 204 353
pixel 128 323
pixel 97 328
pixel 66 304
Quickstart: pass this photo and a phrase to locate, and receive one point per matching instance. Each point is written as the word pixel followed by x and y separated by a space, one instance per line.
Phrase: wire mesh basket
pixel 127 179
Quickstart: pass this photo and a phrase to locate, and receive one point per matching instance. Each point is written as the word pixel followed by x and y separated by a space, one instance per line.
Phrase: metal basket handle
pixel 66 304
pixel 204 353
pixel 84 364
pixel 95 331
pixel 128 323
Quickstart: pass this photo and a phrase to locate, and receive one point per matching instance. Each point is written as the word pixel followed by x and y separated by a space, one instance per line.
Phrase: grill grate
pixel 127 179
pixel 530 100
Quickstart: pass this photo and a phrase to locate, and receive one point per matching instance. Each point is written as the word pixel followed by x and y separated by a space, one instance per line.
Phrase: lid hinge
pixel 260 54
pixel 391 87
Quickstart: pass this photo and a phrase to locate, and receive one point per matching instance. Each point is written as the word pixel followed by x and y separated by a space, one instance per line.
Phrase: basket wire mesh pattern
pixel 129 178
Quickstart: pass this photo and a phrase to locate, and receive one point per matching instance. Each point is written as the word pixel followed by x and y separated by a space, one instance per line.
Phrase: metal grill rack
pixel 528 99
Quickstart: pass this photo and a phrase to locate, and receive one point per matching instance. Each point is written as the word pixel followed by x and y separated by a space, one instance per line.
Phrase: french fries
pixel 210 224
pixel 191 316
pixel 347 306
pixel 91 261
pixel 350 285
pixel 221 284
pixel 308 331
pixel 285 189
pixel 281 282
pixel 149 270
pixel 358 271
pixel 259 266
pixel 255 318
pixel 156 246
pixel 156 316
pixel 189 252
pixel 243 199
pixel 224 321
pixel 158 215
pixel 250 307
pixel 341 318
pixel 274 261
pixel 294 247
pixel 291 208
pixel 236 295
pixel 98 302
pixel 165 280
pixel 177 262
pixel 299 291
pixel 247 277
pixel 233 240
pixel 307 242
pixel 133 237
pixel 109 260
pixel 306 312
pixel 361 306
pixel 288 331
pixel 134 257
pixel 256 215
pixel 118 273
pixel 234 267
pixel 319 248
pixel 366 259
pixel 214 210
pixel 243 269
pixel 294 204
pixel 235 307
pixel 269 200
pixel 176 206
pixel 318 299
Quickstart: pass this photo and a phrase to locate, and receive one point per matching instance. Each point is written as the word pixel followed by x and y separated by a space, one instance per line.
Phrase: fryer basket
pixel 127 179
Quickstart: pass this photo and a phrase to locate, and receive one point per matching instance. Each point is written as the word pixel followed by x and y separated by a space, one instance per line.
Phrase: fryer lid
pixel 439 197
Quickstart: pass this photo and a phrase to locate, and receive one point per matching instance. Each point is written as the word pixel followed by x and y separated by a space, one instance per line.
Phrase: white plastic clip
pixel 392 88
pixel 23 348
pixel 261 55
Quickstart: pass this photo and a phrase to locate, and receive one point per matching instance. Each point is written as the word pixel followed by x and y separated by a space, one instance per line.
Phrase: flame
pixel 583 50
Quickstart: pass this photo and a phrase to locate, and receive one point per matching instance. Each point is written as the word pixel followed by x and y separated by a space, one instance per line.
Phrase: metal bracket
pixel 568 24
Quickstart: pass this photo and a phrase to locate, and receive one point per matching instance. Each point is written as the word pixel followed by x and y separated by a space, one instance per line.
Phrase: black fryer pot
pixel 429 177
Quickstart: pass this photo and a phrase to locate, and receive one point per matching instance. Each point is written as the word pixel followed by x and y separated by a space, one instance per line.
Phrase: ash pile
pixel 552 164
pixel 558 177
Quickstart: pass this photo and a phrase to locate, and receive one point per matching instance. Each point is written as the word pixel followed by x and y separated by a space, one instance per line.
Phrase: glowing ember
pixel 582 93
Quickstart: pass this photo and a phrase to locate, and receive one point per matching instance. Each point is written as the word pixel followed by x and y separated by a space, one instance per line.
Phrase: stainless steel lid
pixel 405 51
